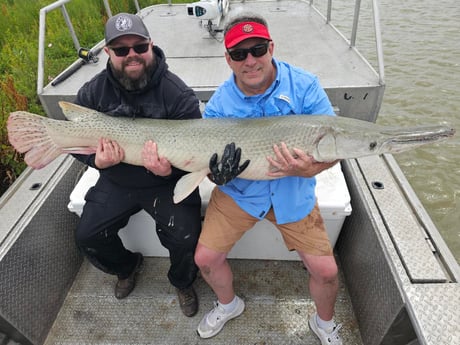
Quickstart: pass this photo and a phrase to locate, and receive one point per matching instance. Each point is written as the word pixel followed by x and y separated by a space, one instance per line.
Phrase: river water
pixel 421 44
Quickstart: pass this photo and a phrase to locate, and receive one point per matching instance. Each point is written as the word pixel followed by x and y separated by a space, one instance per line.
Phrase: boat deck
pixel 275 292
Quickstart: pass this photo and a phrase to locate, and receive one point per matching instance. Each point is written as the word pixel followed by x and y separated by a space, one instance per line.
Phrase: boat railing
pixel 354 30
pixel 83 53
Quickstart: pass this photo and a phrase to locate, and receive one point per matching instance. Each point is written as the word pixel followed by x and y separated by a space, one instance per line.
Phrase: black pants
pixel 107 210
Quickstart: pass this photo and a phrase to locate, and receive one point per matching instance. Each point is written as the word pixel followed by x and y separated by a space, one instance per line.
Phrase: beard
pixel 134 83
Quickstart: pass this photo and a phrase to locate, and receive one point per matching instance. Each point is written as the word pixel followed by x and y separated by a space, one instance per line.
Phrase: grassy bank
pixel 19 57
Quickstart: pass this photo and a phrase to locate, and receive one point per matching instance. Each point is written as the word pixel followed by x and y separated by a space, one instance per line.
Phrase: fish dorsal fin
pixel 187 184
pixel 75 112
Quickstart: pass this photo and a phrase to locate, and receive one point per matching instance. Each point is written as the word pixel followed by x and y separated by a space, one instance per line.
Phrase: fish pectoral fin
pixel 187 184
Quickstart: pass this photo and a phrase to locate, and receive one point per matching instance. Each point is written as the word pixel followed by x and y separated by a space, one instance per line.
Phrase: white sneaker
pixel 213 322
pixel 327 338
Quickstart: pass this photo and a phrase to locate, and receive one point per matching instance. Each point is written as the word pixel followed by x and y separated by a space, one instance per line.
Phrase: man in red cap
pixel 262 86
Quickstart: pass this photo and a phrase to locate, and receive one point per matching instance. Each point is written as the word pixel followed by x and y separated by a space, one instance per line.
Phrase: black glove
pixel 228 168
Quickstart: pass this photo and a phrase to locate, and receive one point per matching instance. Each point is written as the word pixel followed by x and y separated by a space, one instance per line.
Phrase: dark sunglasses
pixel 138 49
pixel 256 51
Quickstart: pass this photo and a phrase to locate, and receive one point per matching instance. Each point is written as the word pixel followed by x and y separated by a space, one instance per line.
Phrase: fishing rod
pixel 85 56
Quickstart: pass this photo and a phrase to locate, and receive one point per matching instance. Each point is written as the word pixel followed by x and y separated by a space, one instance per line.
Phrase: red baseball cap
pixel 243 31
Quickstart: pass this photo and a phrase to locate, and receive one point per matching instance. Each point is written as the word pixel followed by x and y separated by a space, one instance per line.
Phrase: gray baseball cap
pixel 125 24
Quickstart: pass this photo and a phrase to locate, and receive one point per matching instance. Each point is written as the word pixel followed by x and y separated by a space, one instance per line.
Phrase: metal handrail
pixel 378 41
pixel 42 30
pixel 354 30
pixel 41 39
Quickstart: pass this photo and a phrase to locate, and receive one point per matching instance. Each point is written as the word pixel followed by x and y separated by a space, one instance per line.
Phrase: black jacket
pixel 165 97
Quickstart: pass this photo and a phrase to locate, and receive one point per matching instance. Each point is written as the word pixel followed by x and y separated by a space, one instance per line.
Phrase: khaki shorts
pixel 225 223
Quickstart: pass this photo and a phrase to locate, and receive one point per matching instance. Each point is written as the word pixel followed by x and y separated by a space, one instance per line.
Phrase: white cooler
pixel 263 241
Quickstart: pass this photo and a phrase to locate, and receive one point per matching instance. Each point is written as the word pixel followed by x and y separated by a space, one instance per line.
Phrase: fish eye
pixel 373 145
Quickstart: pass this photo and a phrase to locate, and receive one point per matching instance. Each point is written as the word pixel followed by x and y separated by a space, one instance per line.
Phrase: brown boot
pixel 188 301
pixel 124 286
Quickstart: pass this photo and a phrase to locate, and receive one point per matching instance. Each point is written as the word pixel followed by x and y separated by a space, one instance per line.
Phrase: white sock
pixel 230 306
pixel 325 325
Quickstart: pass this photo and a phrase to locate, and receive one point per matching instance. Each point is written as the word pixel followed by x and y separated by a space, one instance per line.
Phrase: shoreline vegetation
pixel 19 57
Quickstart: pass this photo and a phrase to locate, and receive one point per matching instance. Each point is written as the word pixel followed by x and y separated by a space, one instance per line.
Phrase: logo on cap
pixel 248 28
pixel 123 23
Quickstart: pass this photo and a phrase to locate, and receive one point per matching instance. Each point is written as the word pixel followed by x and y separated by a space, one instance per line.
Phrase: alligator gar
pixel 189 144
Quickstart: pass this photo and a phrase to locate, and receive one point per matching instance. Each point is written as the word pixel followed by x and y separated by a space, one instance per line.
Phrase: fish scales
pixel 189 144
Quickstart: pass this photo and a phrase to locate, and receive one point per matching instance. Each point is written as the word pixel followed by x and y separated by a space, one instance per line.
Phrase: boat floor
pixel 278 305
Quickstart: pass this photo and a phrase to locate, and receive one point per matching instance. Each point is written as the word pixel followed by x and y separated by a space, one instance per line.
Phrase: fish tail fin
pixel 27 133
pixel 187 184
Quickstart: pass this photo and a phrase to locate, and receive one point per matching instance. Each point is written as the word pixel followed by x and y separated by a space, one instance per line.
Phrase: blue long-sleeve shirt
pixel 294 91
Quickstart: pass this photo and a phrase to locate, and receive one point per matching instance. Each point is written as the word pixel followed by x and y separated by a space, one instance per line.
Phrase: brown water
pixel 422 57
pixel 421 43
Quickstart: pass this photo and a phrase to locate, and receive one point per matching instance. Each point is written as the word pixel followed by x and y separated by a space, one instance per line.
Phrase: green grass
pixel 19 57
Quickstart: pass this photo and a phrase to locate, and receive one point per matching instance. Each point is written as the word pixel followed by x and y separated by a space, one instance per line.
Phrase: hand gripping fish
pixel 189 144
